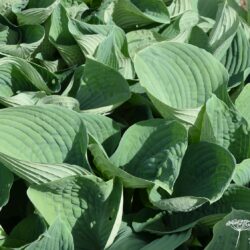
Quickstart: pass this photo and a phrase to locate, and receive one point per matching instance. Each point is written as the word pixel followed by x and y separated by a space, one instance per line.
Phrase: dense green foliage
pixel 124 124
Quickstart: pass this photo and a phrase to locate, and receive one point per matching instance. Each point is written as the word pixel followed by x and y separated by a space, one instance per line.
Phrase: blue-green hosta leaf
pixel 237 57
pixel 113 52
pixel 108 170
pixel 179 78
pixel 101 91
pixel 242 103
pixel 207 169
pixel 58 237
pixel 158 148
pixel 232 232
pixel 89 207
pixel 61 38
pixel 236 197
pixel 226 127
pixel 208 8
pixel 88 36
pixel 6 181
pixel 17 74
pixel 21 41
pixel 180 29
pixel 38 173
pixel 242 173
pixel 49 134
pixel 136 13
pixel 36 12
pixel 172 241
pixel 103 129
pixel 222 34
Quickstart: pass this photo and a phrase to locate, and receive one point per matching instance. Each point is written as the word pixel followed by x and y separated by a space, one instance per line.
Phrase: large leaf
pixel 158 149
pixel 104 91
pixel 113 52
pixel 62 39
pixel 207 169
pixel 89 207
pixel 35 12
pixel 17 74
pixel 58 237
pixel 179 78
pixel 20 42
pixel 237 57
pixel 232 232
pixel 226 127
pixel 131 13
pixel 43 134
pixel 88 36
pixel 225 29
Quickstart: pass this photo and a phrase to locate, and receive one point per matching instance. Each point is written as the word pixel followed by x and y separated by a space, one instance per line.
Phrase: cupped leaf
pixel 6 181
pixel 62 39
pixel 232 232
pixel 38 134
pixel 20 41
pixel 179 78
pixel 89 207
pixel 237 57
pixel 88 36
pixel 222 34
pixel 113 52
pixel 104 91
pixel 58 237
pixel 35 12
pixel 226 127
pixel 158 148
pixel 136 13
pixel 17 74
pixel 207 169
